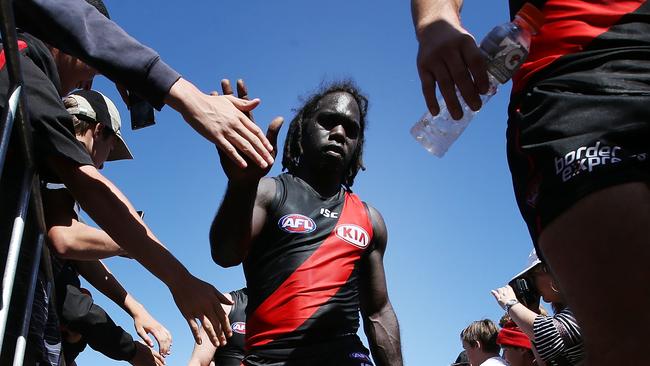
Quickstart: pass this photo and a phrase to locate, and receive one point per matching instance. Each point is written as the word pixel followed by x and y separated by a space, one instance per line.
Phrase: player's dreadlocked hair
pixel 293 148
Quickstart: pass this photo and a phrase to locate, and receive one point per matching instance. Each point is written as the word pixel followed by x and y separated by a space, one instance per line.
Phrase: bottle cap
pixel 532 16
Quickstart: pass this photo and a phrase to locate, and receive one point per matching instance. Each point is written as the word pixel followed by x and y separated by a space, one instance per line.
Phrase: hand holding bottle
pixel 505 49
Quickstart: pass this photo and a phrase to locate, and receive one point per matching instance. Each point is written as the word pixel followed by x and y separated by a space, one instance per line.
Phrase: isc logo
pixel 296 223
pixel 239 327
pixel 330 214
pixel 353 234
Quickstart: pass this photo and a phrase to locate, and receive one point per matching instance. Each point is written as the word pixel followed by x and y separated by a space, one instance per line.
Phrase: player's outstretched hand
pixel 449 57
pixel 252 172
pixel 199 301
pixel 222 120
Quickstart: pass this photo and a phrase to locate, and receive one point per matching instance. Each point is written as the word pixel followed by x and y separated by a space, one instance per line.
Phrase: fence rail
pixel 28 208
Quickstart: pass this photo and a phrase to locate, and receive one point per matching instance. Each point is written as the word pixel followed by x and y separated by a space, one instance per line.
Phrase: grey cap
pixel 94 106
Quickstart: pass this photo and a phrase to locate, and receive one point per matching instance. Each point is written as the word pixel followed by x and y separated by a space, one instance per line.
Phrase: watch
pixel 509 304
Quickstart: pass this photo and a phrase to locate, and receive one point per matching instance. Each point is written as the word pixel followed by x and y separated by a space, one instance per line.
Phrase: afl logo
pixel 296 223
pixel 239 327
pixel 353 234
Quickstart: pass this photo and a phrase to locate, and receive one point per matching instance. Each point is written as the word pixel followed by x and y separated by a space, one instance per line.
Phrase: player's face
pixel 332 133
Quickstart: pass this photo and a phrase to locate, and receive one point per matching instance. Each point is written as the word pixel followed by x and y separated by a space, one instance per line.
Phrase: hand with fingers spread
pixel 252 172
pixel 197 299
pixel 448 57
pixel 145 324
pixel 223 121
pixel 230 233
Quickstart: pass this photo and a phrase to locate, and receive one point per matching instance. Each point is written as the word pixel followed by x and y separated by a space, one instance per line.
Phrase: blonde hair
pixel 483 331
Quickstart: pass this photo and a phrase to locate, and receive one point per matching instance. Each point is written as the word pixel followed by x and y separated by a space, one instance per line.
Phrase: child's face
pixel 102 147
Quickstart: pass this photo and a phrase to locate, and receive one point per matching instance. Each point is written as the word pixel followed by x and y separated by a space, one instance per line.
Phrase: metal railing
pixel 29 205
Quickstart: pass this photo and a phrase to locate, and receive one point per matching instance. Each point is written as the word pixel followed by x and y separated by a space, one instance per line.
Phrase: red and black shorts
pixel 564 145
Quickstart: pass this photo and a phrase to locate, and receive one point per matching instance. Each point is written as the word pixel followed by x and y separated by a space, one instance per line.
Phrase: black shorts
pixel 228 361
pixel 563 145
pixel 348 351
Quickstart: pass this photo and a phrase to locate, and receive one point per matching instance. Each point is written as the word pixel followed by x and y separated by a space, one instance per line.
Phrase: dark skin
pixel 330 138
pixel 379 319
pixel 329 143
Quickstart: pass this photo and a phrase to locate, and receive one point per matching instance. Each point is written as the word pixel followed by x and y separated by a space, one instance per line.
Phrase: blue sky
pixel 454 229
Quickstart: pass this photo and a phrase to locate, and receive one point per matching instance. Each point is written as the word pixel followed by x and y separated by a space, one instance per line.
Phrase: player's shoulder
pixel 266 190
pixel 380 233
pixel 373 213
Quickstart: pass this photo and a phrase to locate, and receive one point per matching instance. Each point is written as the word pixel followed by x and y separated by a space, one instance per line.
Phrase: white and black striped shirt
pixel 558 339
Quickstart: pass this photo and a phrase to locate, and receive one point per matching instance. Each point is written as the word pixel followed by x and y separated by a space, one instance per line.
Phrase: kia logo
pixel 353 234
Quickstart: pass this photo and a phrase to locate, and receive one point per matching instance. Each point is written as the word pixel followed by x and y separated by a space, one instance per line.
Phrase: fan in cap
pixel 93 106
pixel 517 348
pixel 533 260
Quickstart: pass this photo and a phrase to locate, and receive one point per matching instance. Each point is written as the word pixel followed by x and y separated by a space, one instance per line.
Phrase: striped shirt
pixel 558 339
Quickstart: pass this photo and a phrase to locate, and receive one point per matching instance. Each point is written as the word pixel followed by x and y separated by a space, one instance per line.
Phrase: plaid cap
pixel 93 106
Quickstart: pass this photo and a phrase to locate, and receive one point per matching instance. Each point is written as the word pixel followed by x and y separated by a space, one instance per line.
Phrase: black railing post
pixel 21 342
pixel 16 115
pixel 13 254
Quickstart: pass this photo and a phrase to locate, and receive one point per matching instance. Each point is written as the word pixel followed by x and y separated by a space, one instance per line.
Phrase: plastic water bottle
pixel 506 48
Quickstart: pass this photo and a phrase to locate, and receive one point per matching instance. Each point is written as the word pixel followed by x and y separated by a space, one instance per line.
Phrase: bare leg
pixel 599 250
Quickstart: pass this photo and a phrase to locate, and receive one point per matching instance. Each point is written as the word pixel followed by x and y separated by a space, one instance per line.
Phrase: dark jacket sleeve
pixel 81 315
pixel 78 29
pixel 51 123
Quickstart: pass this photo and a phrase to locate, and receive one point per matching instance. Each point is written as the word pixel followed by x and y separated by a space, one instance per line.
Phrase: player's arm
pixel 202 354
pixel 70 238
pixel 100 277
pixel 240 219
pixel 242 213
pixel 447 56
pixel 379 319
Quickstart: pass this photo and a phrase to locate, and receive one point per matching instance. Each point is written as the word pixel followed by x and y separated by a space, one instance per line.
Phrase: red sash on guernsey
pixel 569 26
pixel 21 46
pixel 316 281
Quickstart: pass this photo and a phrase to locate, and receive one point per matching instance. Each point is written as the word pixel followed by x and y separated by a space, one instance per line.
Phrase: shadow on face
pixel 333 130
pixel 73 73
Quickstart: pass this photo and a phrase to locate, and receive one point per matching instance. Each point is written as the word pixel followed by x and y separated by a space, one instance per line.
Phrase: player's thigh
pixel 599 250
